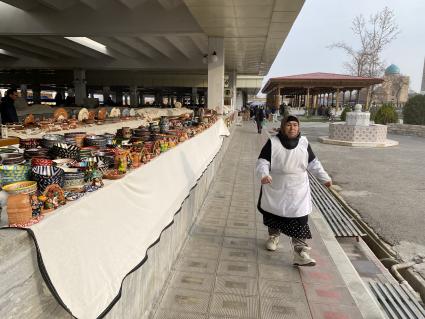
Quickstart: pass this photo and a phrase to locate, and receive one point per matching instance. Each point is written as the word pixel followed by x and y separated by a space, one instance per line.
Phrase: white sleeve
pixel 263 168
pixel 316 168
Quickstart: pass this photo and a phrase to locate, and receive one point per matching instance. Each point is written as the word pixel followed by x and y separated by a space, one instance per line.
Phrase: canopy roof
pixel 318 83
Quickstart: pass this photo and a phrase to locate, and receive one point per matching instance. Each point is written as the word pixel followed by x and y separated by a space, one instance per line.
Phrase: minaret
pixel 423 80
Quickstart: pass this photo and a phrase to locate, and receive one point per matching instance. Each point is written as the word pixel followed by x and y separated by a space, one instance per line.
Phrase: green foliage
pixel 344 113
pixel 386 114
pixel 414 110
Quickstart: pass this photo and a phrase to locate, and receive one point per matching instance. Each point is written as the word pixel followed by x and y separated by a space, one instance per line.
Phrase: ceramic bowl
pixel 73 180
pixel 39 161
pixel 47 175
pixel 63 161
pixel 27 143
pixel 62 150
pixel 50 139
pixel 36 152
pixel 95 140
pixel 14 173
pixel 24 187
pixel 11 158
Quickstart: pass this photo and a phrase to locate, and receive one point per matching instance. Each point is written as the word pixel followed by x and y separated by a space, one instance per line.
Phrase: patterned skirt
pixel 296 227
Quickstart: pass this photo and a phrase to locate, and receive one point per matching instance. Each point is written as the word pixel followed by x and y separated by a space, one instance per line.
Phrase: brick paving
pixel 224 271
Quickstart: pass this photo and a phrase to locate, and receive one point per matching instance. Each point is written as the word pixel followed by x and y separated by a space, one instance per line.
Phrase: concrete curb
pixel 363 298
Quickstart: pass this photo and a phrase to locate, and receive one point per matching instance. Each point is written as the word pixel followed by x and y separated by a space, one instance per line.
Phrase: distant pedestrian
pixel 259 118
pixel 7 107
pixel 285 199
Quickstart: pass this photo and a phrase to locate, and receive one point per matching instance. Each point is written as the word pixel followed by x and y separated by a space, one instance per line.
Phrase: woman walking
pixel 285 199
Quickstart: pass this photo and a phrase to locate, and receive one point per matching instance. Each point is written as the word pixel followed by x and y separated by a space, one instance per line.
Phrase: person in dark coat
pixel 7 107
pixel 259 118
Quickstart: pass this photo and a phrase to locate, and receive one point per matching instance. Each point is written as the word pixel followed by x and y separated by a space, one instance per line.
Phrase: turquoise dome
pixel 392 69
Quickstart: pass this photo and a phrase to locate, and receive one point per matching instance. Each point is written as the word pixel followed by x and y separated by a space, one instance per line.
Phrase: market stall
pixel 87 246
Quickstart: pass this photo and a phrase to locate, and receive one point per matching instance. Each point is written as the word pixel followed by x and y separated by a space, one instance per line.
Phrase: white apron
pixel 289 193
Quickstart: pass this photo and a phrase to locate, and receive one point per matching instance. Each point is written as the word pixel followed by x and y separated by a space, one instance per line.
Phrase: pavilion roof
pixel 320 81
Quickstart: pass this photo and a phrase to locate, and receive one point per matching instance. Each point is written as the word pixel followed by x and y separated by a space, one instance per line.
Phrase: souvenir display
pixel 64 167
pixel 29 119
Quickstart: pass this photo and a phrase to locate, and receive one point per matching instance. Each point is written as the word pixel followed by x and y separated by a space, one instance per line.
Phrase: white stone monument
pixel 357 131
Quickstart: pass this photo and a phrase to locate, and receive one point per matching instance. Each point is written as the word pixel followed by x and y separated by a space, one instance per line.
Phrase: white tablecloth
pixel 90 245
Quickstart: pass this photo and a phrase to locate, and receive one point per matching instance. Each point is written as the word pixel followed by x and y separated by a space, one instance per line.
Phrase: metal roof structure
pixel 142 34
pixel 319 82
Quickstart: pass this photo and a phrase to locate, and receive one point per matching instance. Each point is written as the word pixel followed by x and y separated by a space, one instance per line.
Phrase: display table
pixel 87 248
pixel 8 141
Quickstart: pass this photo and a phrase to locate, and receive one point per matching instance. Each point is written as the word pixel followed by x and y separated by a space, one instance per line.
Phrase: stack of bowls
pixel 47 175
pixel 27 143
pixel 73 179
pixel 62 150
pixel 95 140
pixel 109 138
pixel 143 133
pixel 88 151
pixel 107 157
pixel 164 124
pixel 51 139
pixel 154 128
pixel 36 152
pixel 11 158
pixel 75 138
pixel 14 173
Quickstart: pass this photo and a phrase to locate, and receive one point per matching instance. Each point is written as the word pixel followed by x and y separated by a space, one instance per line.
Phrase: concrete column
pixel 106 93
pixel 232 86
pixel 36 94
pixel 337 99
pixel 307 104
pixel 80 86
pixel 367 98
pixel 134 97
pixel 119 96
pixel 216 74
pixel 239 100
pixel 24 91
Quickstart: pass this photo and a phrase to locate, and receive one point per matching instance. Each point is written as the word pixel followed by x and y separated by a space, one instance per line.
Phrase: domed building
pixel 394 89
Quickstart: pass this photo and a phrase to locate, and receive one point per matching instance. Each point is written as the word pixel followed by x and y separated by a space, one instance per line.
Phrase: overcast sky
pixel 323 22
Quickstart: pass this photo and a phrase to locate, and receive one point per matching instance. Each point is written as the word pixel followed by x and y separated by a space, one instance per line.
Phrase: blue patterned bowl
pixel 47 175
pixel 14 173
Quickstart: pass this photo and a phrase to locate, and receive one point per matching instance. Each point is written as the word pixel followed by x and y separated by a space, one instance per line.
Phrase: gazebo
pixel 315 89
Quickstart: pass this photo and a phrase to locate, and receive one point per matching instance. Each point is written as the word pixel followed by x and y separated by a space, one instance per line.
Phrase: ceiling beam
pixel 58 4
pixel 119 46
pixel 24 47
pixel 22 4
pixel 93 4
pixel 139 46
pixel 170 4
pixel 74 46
pixel 177 42
pixel 131 4
pixel 201 42
pixel 8 54
pixel 42 44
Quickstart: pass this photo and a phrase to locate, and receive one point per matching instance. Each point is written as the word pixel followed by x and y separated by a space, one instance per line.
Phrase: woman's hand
pixel 328 184
pixel 266 180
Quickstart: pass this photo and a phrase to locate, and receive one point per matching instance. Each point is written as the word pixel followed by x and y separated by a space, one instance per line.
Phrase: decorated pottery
pixel 29 119
pixel 19 209
pixel 28 143
pixel 40 161
pixel 11 158
pixel 24 187
pixel 47 175
pixel 132 113
pixel 102 113
pixel 83 114
pixel 49 140
pixel 63 150
pixel 95 140
pixel 53 197
pixel 14 173
pixel 60 114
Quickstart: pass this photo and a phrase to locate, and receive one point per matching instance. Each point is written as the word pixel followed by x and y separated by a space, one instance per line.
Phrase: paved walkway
pixel 224 270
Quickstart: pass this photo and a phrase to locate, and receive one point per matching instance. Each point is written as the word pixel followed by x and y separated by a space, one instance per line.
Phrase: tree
pixel 374 36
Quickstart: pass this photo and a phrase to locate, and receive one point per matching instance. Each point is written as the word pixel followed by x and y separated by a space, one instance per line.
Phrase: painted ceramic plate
pixel 83 114
pixel 132 112
pixel 102 113
pixel 125 112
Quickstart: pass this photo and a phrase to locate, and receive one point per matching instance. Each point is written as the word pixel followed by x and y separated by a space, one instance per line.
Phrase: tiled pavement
pixel 224 271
